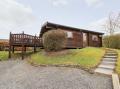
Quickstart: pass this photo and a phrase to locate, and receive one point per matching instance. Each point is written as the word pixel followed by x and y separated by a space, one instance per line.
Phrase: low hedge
pixel 112 41
pixel 54 40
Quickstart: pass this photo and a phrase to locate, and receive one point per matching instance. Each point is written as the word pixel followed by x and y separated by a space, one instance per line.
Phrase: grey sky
pixel 29 15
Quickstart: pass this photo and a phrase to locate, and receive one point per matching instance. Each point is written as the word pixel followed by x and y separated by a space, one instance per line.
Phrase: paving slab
pixel 109 59
pixel 106 66
pixel 108 63
pixel 104 71
pixel 110 56
pixel 108 53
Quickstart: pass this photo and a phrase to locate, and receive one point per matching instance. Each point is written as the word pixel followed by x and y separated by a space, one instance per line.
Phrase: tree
pixel 113 23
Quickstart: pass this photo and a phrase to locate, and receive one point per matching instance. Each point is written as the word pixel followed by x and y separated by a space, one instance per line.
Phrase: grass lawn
pixel 3 55
pixel 17 54
pixel 86 57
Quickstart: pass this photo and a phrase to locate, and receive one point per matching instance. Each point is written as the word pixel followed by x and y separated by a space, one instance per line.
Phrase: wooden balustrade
pixel 23 40
pixel 27 40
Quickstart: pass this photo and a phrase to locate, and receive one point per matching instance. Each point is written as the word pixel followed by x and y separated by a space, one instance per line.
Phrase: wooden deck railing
pixel 25 39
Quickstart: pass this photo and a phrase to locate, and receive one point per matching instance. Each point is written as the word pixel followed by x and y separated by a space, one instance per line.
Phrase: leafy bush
pixel 54 40
pixel 112 41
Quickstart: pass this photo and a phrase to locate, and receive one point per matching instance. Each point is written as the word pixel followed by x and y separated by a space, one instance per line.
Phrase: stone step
pixel 108 62
pixel 110 59
pixel 110 56
pixel 115 58
pixel 111 52
pixel 104 71
pixel 106 66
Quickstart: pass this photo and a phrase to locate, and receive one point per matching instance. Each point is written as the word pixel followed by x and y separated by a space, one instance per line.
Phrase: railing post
pixel 23 45
pixel 12 49
pixel 10 45
pixel 35 43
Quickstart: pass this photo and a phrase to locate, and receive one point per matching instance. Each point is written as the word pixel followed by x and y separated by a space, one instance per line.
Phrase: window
pixel 94 37
pixel 84 37
pixel 69 35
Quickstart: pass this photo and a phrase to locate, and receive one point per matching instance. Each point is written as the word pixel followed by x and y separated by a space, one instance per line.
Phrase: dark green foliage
pixel 54 40
pixel 112 41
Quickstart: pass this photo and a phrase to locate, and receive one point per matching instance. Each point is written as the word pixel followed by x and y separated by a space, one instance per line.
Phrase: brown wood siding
pixel 94 43
pixel 100 41
pixel 77 40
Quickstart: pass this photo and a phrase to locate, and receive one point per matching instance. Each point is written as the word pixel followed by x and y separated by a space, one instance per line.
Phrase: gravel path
pixel 20 75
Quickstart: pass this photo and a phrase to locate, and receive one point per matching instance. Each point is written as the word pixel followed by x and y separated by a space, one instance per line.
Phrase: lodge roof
pixel 49 24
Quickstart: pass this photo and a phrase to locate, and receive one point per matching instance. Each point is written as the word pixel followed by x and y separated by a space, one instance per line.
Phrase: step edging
pixel 115 81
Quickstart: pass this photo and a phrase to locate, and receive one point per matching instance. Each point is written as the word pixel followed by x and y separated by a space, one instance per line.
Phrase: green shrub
pixel 54 40
pixel 112 41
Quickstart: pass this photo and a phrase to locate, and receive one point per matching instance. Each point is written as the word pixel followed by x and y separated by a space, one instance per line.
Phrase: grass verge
pixel 16 55
pixel 3 55
pixel 118 63
pixel 86 58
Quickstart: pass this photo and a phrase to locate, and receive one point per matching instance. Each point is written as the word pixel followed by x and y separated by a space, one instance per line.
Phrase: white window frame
pixel 94 37
pixel 69 34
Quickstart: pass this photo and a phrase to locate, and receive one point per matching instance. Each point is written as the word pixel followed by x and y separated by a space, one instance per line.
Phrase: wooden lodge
pixel 77 38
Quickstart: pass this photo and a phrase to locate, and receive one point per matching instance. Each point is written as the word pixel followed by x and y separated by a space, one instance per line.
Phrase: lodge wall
pixel 77 40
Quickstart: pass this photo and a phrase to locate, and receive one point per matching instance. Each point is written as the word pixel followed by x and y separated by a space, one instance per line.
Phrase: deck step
pixel 104 71
pixel 106 66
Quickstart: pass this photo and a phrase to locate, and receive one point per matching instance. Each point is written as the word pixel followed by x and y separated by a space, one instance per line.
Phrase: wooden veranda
pixel 23 40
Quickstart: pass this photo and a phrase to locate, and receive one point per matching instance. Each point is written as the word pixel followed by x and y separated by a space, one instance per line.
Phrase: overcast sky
pixel 28 15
